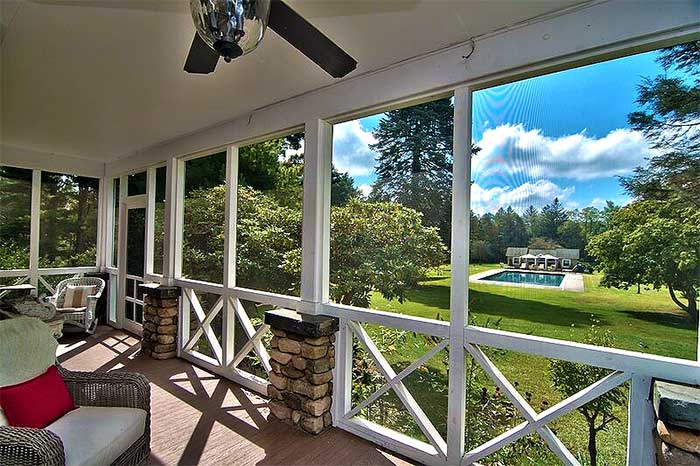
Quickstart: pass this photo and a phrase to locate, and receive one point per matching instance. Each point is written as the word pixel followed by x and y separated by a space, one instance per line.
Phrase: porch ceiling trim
pixel 27 158
pixel 594 32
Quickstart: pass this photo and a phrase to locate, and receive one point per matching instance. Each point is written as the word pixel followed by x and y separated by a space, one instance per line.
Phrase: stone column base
pixel 302 359
pixel 159 339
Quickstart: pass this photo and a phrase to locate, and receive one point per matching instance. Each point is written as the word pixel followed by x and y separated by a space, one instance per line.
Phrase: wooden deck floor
pixel 199 418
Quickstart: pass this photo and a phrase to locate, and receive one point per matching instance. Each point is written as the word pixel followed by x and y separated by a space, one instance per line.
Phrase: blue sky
pixel 563 134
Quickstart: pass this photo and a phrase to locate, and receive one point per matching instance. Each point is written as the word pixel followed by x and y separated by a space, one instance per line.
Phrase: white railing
pixel 24 275
pixel 228 306
pixel 626 366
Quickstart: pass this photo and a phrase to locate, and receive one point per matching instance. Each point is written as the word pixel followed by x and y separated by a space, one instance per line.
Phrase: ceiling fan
pixel 231 28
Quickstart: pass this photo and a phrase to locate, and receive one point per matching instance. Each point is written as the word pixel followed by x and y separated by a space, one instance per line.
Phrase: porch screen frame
pixel 34 273
pixel 316 242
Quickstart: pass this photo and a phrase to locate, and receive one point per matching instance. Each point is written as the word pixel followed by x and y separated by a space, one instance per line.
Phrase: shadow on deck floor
pixel 200 418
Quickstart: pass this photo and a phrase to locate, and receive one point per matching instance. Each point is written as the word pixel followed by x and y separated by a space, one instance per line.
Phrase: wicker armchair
pixel 25 446
pixel 81 317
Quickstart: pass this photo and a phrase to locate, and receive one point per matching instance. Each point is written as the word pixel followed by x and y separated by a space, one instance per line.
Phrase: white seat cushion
pixel 97 436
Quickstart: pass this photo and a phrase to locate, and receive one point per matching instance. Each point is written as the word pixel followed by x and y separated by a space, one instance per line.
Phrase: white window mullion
pixel 318 140
pixel 459 290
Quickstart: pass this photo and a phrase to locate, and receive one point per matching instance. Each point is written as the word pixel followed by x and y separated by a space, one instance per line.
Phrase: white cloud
pixel 288 153
pixel 351 152
pixel 528 154
pixel 598 202
pixel 365 189
pixel 538 194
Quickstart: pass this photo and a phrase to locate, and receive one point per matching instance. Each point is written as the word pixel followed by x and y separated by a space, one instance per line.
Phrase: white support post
pixel 342 375
pixel 169 225
pixel 150 221
pixel 178 217
pixel 315 247
pixel 229 279
pixel 183 327
pixel 34 230
pixel 100 258
pixel 108 230
pixel 121 251
pixel 459 294
pixel 640 424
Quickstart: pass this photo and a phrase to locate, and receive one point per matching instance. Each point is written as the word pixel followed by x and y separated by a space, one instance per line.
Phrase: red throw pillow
pixel 37 402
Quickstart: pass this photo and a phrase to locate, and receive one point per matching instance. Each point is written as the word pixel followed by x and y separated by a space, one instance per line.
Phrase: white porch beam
pixel 318 146
pixel 579 35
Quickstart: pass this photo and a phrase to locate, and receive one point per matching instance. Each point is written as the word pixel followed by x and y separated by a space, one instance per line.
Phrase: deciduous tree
pixel 570 378
pixel 653 243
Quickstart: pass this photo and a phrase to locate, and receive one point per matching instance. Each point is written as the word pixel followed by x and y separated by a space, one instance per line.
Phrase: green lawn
pixel 647 322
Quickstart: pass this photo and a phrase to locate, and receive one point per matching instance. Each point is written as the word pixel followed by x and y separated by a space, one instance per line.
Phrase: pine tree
pixel 414 166
pixel 670 118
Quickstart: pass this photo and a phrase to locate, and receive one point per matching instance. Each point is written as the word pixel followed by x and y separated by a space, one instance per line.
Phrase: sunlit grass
pixel 648 322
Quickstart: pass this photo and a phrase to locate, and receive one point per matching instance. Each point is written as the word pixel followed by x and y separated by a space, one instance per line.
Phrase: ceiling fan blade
pixel 202 59
pixel 308 40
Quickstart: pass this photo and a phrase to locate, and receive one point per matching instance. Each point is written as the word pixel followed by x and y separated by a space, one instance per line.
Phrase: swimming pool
pixel 528 278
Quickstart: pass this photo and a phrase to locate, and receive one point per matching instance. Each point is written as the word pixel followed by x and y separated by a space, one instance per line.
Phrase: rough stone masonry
pixel 159 339
pixel 302 357
pixel 677 436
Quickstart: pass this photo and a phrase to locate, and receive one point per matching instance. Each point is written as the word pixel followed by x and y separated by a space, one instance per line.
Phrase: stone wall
pixel 159 339
pixel 677 409
pixel 302 359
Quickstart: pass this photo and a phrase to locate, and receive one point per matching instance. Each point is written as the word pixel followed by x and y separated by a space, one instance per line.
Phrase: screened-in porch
pixel 287 257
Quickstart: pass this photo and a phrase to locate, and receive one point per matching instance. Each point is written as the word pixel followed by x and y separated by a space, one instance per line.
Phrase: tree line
pixel 551 227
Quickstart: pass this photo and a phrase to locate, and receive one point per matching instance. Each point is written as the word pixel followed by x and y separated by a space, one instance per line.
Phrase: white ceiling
pixel 102 79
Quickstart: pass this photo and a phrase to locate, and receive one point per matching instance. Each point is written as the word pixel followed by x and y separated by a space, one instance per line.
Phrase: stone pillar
pixel 159 339
pixel 677 435
pixel 302 358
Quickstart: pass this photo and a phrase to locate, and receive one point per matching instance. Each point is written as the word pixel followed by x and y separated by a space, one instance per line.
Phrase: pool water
pixel 529 278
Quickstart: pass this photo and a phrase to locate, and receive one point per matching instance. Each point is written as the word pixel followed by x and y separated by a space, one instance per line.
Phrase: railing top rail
pixel 67 270
pixel 674 369
pixel 431 327
pixel 14 273
pixel 208 287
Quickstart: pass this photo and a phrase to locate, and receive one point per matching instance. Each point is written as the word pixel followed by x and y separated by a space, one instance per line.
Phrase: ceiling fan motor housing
pixel 231 27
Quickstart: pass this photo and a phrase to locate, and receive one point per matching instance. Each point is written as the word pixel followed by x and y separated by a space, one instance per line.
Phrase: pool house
pixel 560 258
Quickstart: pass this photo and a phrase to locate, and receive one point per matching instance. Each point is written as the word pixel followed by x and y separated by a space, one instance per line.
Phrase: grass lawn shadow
pixel 663 318
pixel 529 310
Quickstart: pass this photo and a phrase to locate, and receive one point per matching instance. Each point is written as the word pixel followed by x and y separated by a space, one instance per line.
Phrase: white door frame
pixel 131 202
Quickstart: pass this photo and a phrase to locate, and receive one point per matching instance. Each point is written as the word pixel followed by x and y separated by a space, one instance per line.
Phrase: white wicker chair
pixel 82 317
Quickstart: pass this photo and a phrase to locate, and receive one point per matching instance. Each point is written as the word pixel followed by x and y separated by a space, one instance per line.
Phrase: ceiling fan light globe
pixel 231 27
